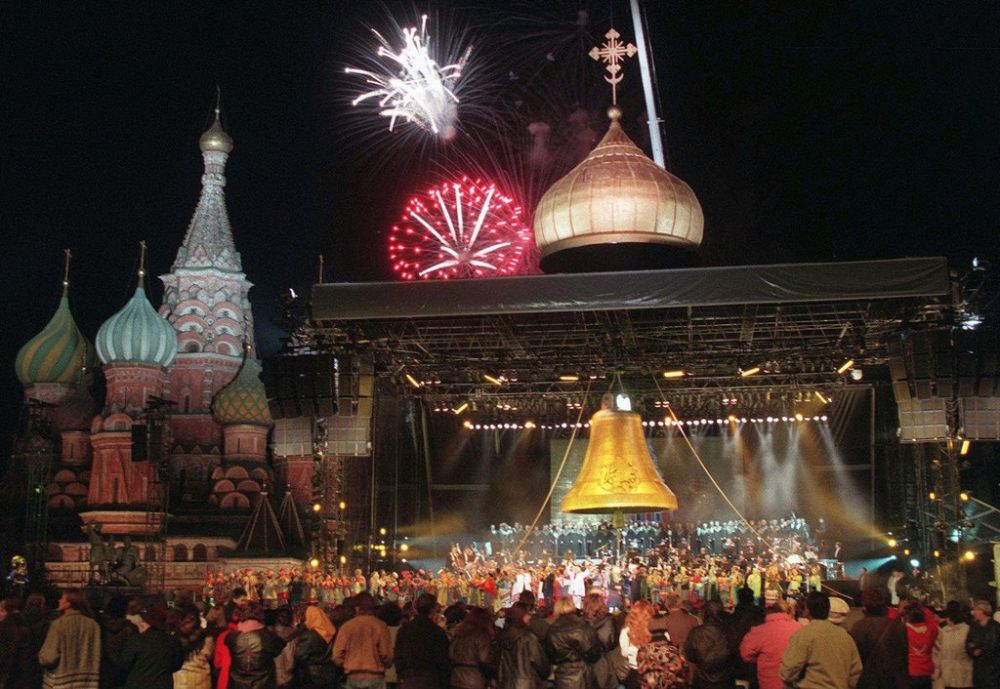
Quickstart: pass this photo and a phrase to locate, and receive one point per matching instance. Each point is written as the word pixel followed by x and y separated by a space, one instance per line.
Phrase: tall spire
pixel 209 239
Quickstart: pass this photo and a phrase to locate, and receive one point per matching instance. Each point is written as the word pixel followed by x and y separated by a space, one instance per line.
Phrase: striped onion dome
pixel 244 400
pixel 137 334
pixel 58 354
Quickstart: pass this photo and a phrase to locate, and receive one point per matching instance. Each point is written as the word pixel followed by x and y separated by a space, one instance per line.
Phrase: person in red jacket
pixel 920 637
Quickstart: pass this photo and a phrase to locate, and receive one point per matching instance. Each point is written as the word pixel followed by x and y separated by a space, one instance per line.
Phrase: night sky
pixel 807 132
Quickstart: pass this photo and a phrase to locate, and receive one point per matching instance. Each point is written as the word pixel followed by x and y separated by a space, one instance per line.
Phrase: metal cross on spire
pixel 612 53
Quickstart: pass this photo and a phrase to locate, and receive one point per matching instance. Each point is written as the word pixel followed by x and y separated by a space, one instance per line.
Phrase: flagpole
pixel 653 119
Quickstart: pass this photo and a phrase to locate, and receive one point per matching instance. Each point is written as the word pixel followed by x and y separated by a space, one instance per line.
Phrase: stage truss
pixel 798 344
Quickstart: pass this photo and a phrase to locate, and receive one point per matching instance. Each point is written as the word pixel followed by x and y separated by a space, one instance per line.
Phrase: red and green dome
pixel 244 400
pixel 58 354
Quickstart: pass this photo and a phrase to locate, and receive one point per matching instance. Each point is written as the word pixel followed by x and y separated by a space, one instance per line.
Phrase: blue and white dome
pixel 137 334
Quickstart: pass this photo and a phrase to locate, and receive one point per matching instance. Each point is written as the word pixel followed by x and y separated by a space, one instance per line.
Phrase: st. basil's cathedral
pixel 183 429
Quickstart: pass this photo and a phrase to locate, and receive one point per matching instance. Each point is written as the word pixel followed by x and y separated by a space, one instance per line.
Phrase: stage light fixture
pixel 461 408
pixel 906 551
pixel 798 417
pixel 845 367
pixel 673 374
pixel 492 379
pixel 381 532
pixel 413 381
pixel 404 548
pixel 822 398
pixel 823 418
pixel 314 563
pixel 317 507
pixel 968 556
pixel 529 424
pixel 937 553
pixel 568 377
pixel 467 424
pixel 857 374
pixel 966 444
pixel 963 496
pixel 892 542
pixel 914 563
pixel 342 505
pixel 932 495
pixel 746 373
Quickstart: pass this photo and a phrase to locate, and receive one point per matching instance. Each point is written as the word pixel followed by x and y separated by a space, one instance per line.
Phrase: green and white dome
pixel 137 335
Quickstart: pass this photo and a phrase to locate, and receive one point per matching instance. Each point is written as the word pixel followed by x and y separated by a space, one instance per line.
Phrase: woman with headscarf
pixel 314 665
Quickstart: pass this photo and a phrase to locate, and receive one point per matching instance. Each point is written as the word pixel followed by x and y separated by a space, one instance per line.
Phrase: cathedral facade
pixel 177 454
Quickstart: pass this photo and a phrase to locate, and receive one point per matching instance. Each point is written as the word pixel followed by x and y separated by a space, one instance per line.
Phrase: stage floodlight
pixel 845 367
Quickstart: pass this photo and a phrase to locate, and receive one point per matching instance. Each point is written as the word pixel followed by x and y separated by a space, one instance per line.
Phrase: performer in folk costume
pixel 772 576
pixel 282 587
pixel 754 582
pixel 816 578
pixel 794 582
pixel 270 590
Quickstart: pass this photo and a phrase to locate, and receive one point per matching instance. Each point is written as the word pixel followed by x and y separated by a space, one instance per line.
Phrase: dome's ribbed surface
pixel 137 334
pixel 617 195
pixel 244 400
pixel 58 354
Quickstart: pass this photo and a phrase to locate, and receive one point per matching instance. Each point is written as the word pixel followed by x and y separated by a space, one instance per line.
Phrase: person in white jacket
pixel 952 664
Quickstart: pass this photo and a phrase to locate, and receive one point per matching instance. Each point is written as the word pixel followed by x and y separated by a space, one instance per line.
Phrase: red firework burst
pixel 459 229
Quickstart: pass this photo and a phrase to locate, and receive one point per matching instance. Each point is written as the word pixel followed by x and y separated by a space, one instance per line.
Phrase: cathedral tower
pixel 136 346
pixel 205 300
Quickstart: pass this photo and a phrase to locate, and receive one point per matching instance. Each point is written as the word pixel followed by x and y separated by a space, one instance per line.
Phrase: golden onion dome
pixel 215 138
pixel 617 195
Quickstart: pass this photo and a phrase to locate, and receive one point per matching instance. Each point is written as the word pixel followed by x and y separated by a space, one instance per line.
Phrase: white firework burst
pixel 410 83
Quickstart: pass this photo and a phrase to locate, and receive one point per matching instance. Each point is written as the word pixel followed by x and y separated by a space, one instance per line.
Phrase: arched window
pixel 199 553
pixel 180 553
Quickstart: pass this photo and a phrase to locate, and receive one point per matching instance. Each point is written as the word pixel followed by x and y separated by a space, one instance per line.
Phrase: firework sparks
pixel 460 229
pixel 410 84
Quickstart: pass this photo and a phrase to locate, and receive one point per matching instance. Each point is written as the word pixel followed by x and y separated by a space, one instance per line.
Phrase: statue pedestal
pixel 98 596
pixel 124 522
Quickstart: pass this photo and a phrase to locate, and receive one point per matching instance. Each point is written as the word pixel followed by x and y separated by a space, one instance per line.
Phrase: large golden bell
pixel 618 474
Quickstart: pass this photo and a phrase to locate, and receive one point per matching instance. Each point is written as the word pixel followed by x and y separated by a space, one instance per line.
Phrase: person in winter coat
pixel 881 643
pixel 197 650
pixel 766 643
pixel 595 613
pixel 469 651
pixel 151 657
pixel 920 638
pixel 573 647
pixel 252 649
pixel 821 654
pixel 71 653
pixel 518 654
pixel 952 665
pixel 314 667
pixel 711 651
pixel 421 652
pixel 983 646
pixel 15 656
pixel 115 631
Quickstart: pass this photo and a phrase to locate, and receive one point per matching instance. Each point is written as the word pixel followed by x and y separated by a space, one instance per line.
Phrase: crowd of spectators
pixel 364 643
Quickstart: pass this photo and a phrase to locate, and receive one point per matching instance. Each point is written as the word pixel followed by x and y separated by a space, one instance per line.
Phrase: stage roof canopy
pixel 797 323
